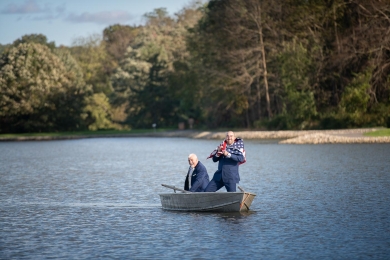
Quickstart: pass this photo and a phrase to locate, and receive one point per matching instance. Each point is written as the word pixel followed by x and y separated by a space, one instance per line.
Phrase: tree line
pixel 263 64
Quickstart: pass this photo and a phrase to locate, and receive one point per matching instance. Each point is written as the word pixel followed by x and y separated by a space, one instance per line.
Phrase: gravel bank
pixel 342 136
pixel 283 134
pixel 320 138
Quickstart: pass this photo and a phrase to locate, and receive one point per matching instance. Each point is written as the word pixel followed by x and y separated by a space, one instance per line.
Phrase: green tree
pixel 3 48
pixel 36 89
pixel 355 97
pixel 71 104
pixel 97 113
pixel 34 38
pixel 299 107
pixel 143 78
pixel 117 39
pixel 93 59
pixel 235 42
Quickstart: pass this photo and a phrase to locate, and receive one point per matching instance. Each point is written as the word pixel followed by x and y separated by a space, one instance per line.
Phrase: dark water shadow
pixel 223 215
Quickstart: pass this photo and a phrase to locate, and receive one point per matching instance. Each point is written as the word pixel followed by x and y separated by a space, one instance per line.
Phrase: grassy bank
pixel 381 132
pixel 84 133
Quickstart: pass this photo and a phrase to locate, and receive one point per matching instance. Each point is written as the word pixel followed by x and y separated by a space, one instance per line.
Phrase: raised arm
pixel 237 158
pixel 216 158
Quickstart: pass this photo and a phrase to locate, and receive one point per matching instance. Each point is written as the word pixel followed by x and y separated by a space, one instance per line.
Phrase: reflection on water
pixel 98 198
pixel 223 215
pixel 94 205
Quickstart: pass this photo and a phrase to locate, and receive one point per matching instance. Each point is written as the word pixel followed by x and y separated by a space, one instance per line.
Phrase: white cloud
pixel 51 15
pixel 31 10
pixel 28 7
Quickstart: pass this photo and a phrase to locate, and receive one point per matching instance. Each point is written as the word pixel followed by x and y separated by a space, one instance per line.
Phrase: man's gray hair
pixel 192 155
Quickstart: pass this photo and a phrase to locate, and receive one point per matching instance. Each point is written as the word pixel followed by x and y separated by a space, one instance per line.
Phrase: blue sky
pixel 63 21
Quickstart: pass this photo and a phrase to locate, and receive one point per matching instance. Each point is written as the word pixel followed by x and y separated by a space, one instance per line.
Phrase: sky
pixel 63 21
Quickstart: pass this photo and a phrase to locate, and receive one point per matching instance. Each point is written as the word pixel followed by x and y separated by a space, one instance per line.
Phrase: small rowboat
pixel 206 201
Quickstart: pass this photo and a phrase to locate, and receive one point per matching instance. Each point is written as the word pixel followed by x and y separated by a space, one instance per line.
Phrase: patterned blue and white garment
pixel 237 147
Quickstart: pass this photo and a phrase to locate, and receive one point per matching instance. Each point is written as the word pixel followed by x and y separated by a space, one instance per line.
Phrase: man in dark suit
pixel 229 155
pixel 197 177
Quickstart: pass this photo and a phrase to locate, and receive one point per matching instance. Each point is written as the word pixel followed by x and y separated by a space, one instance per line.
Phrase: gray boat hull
pixel 207 201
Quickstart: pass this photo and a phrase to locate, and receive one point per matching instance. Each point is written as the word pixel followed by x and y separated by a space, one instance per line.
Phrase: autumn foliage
pixel 264 64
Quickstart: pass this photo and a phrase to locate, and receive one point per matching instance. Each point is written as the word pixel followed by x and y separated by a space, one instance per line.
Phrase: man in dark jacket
pixel 229 155
pixel 197 177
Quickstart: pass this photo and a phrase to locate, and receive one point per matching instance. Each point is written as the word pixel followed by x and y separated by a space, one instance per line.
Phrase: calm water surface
pixel 98 199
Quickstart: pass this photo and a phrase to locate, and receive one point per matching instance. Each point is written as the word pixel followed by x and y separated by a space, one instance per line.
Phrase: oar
pixel 175 189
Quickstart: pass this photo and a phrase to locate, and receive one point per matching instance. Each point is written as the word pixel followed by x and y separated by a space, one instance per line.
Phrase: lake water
pixel 98 199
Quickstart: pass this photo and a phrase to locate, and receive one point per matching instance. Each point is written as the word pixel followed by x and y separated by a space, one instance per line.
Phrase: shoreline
pixel 342 136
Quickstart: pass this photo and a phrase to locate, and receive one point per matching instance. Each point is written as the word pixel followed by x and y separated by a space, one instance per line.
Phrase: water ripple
pixel 98 199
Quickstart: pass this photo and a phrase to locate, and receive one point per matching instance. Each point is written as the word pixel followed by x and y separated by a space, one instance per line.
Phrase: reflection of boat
pixel 206 201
